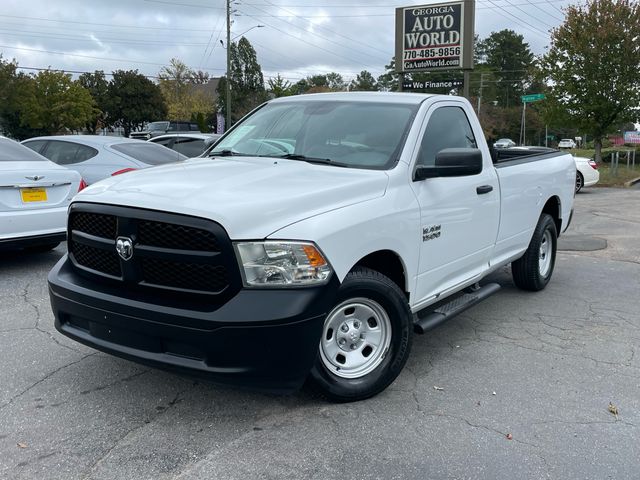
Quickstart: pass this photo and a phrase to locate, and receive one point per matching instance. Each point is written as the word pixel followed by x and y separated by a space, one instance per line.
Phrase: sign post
pixel 435 37
pixel 534 97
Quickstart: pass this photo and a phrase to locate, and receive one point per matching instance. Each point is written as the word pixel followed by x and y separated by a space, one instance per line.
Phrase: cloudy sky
pixel 298 37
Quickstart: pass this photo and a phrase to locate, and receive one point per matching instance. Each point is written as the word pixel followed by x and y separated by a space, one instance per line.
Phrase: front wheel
pixel 366 338
pixel 533 270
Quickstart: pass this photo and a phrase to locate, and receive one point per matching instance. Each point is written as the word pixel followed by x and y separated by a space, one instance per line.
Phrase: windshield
pixel 158 126
pixel 149 153
pixel 352 134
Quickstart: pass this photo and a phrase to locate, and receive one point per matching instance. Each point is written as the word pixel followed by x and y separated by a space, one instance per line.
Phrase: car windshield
pixel 504 140
pixel 11 151
pixel 341 133
pixel 149 153
pixel 158 126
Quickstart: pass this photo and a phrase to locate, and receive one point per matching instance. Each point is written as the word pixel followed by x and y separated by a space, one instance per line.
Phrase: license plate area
pixel 30 195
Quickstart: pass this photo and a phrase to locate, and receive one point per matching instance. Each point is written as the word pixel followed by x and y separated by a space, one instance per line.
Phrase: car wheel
pixel 366 338
pixel 579 181
pixel 42 248
pixel 533 270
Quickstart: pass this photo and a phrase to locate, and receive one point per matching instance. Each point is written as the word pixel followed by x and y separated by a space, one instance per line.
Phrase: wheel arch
pixel 553 207
pixel 388 263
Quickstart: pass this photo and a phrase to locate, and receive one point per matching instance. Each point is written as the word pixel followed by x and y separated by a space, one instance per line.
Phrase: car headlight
pixel 282 264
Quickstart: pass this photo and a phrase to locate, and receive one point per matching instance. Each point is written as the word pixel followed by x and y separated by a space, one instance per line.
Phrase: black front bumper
pixel 264 339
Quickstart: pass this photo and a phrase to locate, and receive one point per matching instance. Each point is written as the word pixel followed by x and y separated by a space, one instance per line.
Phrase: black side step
pixel 453 308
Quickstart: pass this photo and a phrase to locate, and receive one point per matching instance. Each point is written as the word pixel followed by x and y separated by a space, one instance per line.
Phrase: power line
pixel 302 40
pixel 331 31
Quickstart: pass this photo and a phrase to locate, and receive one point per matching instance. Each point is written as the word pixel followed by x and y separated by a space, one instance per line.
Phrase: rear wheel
pixel 579 181
pixel 533 270
pixel 366 338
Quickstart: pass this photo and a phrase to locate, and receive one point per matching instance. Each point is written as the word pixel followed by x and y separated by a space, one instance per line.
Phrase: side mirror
pixel 452 162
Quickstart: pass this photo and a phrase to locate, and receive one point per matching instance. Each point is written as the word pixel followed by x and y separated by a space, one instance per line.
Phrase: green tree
pixel 246 79
pixel 510 59
pixel 98 87
pixel 15 88
pixel 134 100
pixel 56 103
pixel 364 81
pixel 183 91
pixel 592 67
pixel 389 81
pixel 279 87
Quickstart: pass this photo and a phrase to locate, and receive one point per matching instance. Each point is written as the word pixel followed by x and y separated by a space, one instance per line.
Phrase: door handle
pixel 481 190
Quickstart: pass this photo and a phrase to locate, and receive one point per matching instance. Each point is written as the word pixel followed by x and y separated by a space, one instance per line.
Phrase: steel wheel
pixel 544 262
pixel 355 338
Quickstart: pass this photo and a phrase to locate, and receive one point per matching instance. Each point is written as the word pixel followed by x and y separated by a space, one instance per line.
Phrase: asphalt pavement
pixel 524 383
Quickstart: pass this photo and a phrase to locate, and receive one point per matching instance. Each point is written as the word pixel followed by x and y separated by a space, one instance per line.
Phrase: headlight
pixel 280 264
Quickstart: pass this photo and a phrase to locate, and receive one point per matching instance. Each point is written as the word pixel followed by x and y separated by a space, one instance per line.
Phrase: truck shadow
pixel 23 260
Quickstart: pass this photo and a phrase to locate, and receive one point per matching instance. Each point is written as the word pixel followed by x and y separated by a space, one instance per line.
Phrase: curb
pixel 631 182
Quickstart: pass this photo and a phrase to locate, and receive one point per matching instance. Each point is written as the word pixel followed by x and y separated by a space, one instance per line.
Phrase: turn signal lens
pixel 282 264
pixel 314 257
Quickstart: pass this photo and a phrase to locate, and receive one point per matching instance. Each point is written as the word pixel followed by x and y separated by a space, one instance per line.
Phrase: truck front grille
pixel 171 253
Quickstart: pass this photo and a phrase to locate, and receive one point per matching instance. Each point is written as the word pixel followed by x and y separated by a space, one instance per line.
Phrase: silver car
pixel 188 144
pixel 96 157
pixel 504 143
pixel 34 197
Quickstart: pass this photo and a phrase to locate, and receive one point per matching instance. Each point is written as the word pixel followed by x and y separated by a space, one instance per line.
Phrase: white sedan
pixel 34 197
pixel 586 173
pixel 566 143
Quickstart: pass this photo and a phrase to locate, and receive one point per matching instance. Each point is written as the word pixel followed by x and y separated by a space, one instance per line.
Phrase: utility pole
pixel 480 96
pixel 228 82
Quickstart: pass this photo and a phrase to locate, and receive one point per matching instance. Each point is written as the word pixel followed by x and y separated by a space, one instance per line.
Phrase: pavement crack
pixel 36 308
pixel 484 427
pixel 109 385
pixel 46 377
pixel 172 403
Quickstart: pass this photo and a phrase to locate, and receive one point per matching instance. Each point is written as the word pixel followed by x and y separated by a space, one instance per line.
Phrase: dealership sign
pixel 435 37
pixel 431 84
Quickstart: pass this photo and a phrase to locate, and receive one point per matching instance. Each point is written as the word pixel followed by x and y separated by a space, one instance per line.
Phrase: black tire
pixel 531 272
pixel 579 181
pixel 42 248
pixel 369 287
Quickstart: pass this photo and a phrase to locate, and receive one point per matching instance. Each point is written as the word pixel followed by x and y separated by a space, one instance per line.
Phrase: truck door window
pixel 448 127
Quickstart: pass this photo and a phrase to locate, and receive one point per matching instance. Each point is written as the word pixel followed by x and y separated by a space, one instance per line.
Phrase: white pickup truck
pixel 316 236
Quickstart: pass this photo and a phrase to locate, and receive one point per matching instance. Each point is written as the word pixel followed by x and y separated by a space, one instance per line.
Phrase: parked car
pixel 504 143
pixel 587 173
pixel 566 143
pixel 155 129
pixel 34 198
pixel 188 144
pixel 96 157
pixel 327 230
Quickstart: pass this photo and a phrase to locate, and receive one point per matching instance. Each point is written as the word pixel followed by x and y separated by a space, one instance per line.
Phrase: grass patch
pixel 623 175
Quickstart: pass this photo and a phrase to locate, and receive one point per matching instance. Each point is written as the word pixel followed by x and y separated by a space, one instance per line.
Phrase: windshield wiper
pixel 225 153
pixel 304 158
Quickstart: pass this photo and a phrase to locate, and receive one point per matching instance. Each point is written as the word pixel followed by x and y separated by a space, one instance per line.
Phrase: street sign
pixel 534 97
pixel 432 84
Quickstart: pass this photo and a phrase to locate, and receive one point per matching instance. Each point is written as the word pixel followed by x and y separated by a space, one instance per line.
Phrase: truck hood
pixel 250 197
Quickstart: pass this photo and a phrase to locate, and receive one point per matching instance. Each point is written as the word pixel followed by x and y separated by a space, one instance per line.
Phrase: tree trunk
pixel 597 144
